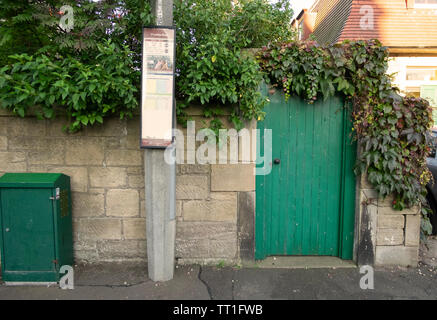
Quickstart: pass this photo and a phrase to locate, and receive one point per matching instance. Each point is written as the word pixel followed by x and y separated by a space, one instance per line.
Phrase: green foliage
pixel 390 129
pixel 91 72
pixel 212 69
pixel 33 26
pixel 212 66
pixel 86 92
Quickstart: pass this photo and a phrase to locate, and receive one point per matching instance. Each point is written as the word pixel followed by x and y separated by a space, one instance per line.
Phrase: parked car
pixel 432 186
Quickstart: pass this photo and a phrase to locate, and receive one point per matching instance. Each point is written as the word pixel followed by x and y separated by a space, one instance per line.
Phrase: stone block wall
pixel 107 179
pixel 215 203
pixel 208 208
pixel 392 236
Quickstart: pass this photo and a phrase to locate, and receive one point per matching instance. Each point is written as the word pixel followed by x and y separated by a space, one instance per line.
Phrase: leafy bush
pixel 90 72
pixel 212 68
pixel 86 92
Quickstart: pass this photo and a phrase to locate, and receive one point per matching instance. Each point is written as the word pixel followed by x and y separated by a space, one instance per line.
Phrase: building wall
pixel 398 67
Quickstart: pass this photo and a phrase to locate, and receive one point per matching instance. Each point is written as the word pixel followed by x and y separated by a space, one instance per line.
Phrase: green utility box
pixel 36 237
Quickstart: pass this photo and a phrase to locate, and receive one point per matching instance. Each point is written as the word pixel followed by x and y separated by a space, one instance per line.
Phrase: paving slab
pixel 319 283
pixel 116 281
pixel 122 281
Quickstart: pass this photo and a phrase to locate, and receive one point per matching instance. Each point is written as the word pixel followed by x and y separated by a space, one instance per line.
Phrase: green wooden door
pixel 28 229
pixel 306 205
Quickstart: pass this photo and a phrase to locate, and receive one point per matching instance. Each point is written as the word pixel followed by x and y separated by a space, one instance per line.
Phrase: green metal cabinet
pixel 36 237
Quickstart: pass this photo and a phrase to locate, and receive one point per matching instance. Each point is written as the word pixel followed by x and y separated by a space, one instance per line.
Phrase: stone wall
pixel 387 236
pixel 215 204
pixel 107 179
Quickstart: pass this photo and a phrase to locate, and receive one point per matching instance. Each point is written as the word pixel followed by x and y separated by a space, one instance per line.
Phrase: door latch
pixel 58 195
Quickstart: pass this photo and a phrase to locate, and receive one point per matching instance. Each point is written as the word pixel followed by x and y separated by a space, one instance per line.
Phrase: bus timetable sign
pixel 157 92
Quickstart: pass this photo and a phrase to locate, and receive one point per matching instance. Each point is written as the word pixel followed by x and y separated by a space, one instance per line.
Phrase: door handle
pixel 277 161
pixel 7 229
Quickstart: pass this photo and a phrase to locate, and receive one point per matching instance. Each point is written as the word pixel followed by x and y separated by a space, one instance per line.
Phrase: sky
pixel 298 5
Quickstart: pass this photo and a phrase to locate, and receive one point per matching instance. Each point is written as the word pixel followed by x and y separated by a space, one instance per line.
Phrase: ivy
pixel 391 129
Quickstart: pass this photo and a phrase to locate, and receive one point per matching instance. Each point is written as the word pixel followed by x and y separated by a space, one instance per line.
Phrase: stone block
pixel 112 143
pixel 247 143
pixel 99 229
pixel 143 209
pixel 183 169
pixel 391 221
pixel 37 168
pixel 179 208
pixel 136 181
pixel 85 251
pixel 122 203
pixel 367 231
pixel 88 205
pixel 206 230
pixel 192 187
pixel 78 177
pixel 133 127
pixel 135 170
pixel 122 250
pixel 84 151
pixel 53 153
pixel 134 229
pixel 390 237
pixel 3 143
pixel 232 177
pixel 364 183
pixel 28 127
pixel 112 177
pixel 3 125
pixel 12 161
pixel 226 248
pixel 130 142
pixel 119 157
pixel 412 230
pixel 397 256
pixel 191 248
pixel 222 206
pixel 96 190
pixel 246 223
pixel 28 143
pixel 389 210
pixel 112 127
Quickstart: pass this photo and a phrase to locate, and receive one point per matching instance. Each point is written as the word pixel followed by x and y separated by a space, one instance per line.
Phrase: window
pixel 421 73
pixel 430 93
pixel 425 3
pixel 300 30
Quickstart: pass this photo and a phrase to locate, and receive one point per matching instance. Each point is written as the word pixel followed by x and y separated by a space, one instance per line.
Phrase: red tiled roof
pixel 395 25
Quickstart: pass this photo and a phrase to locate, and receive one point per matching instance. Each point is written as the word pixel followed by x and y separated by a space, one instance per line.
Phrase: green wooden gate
pixel 306 205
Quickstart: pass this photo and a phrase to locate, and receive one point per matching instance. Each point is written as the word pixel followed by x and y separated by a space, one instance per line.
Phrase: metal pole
pixel 160 190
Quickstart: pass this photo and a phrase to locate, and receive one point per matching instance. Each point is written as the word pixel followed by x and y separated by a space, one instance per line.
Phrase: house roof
pixel 331 18
pixel 395 25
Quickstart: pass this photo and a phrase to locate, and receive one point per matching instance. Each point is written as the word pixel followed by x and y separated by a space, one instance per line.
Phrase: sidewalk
pixel 129 281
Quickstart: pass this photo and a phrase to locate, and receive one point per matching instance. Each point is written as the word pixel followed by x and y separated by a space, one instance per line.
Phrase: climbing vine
pixel 391 129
